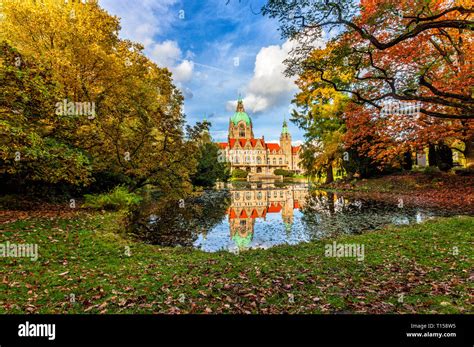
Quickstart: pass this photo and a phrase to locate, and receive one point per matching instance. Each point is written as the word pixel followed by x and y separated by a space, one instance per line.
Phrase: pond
pixel 242 216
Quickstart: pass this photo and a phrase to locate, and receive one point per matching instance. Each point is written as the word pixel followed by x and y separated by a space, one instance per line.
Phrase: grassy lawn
pixel 83 257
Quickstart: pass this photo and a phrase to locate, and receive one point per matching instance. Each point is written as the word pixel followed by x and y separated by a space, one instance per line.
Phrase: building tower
pixel 240 124
pixel 285 144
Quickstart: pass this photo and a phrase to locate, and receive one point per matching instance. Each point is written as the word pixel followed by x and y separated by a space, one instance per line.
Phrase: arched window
pixel 259 160
pixel 274 161
pixel 242 130
pixel 281 161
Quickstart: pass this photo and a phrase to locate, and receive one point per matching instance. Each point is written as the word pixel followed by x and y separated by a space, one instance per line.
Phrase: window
pixel 242 131
pixel 274 161
pixel 259 160
pixel 259 195
pixel 281 161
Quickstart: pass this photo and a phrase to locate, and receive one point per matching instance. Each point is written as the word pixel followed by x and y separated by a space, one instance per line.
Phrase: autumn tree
pixel 321 116
pixel 136 129
pixel 410 51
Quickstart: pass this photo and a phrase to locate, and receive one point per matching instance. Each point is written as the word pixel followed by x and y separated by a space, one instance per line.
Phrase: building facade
pixel 243 151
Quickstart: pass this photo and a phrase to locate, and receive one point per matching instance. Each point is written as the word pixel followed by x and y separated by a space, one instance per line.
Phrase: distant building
pixel 243 151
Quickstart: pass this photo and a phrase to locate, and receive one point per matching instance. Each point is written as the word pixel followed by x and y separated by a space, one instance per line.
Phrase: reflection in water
pixel 241 216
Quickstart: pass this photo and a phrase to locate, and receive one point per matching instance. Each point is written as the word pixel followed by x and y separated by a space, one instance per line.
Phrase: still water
pixel 241 216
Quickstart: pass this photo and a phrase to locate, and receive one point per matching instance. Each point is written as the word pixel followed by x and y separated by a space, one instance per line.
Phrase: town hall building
pixel 259 158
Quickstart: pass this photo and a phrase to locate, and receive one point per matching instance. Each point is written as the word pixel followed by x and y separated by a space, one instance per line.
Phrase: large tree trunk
pixel 329 175
pixel 432 160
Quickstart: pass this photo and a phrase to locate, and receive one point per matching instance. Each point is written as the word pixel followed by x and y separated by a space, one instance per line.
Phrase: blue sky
pixel 216 51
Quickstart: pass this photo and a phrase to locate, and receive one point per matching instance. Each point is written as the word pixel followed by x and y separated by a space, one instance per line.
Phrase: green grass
pixel 85 256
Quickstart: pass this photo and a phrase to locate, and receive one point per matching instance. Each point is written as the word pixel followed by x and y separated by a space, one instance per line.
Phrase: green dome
pixel 241 241
pixel 240 116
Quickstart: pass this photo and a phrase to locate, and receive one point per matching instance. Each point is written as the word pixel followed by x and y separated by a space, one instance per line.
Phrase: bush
pixel 117 199
pixel 239 173
pixel 284 173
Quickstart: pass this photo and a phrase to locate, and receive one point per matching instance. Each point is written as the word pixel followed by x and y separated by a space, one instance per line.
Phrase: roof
pixel 274 208
pixel 243 142
pixel 223 145
pixel 285 130
pixel 240 114
pixel 273 146
pixel 295 149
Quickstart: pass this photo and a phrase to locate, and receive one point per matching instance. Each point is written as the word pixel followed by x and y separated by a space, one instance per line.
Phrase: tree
pixel 321 117
pixel 209 168
pixel 30 148
pixel 136 129
pixel 406 52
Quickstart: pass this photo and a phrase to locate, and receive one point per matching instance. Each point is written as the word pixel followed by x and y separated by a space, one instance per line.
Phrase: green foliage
pixel 209 168
pixel 239 173
pixel 117 199
pixel 284 173
pixel 136 129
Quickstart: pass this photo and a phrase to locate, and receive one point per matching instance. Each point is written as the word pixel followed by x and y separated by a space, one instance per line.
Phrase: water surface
pixel 242 216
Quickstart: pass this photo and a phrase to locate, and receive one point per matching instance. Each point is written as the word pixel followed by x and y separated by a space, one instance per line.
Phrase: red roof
pixel 232 214
pixel 295 149
pixel 274 208
pixel 223 145
pixel 273 146
pixel 296 204
pixel 243 214
pixel 243 142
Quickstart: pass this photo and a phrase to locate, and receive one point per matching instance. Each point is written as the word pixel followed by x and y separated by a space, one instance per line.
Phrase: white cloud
pixel 269 87
pixel 142 20
pixel 184 71
pixel 168 54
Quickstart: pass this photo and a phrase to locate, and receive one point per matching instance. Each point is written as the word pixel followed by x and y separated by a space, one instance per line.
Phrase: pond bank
pixel 448 191
pixel 422 268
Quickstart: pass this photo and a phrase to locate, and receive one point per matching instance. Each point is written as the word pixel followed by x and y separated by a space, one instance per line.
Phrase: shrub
pixel 239 173
pixel 284 173
pixel 117 199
